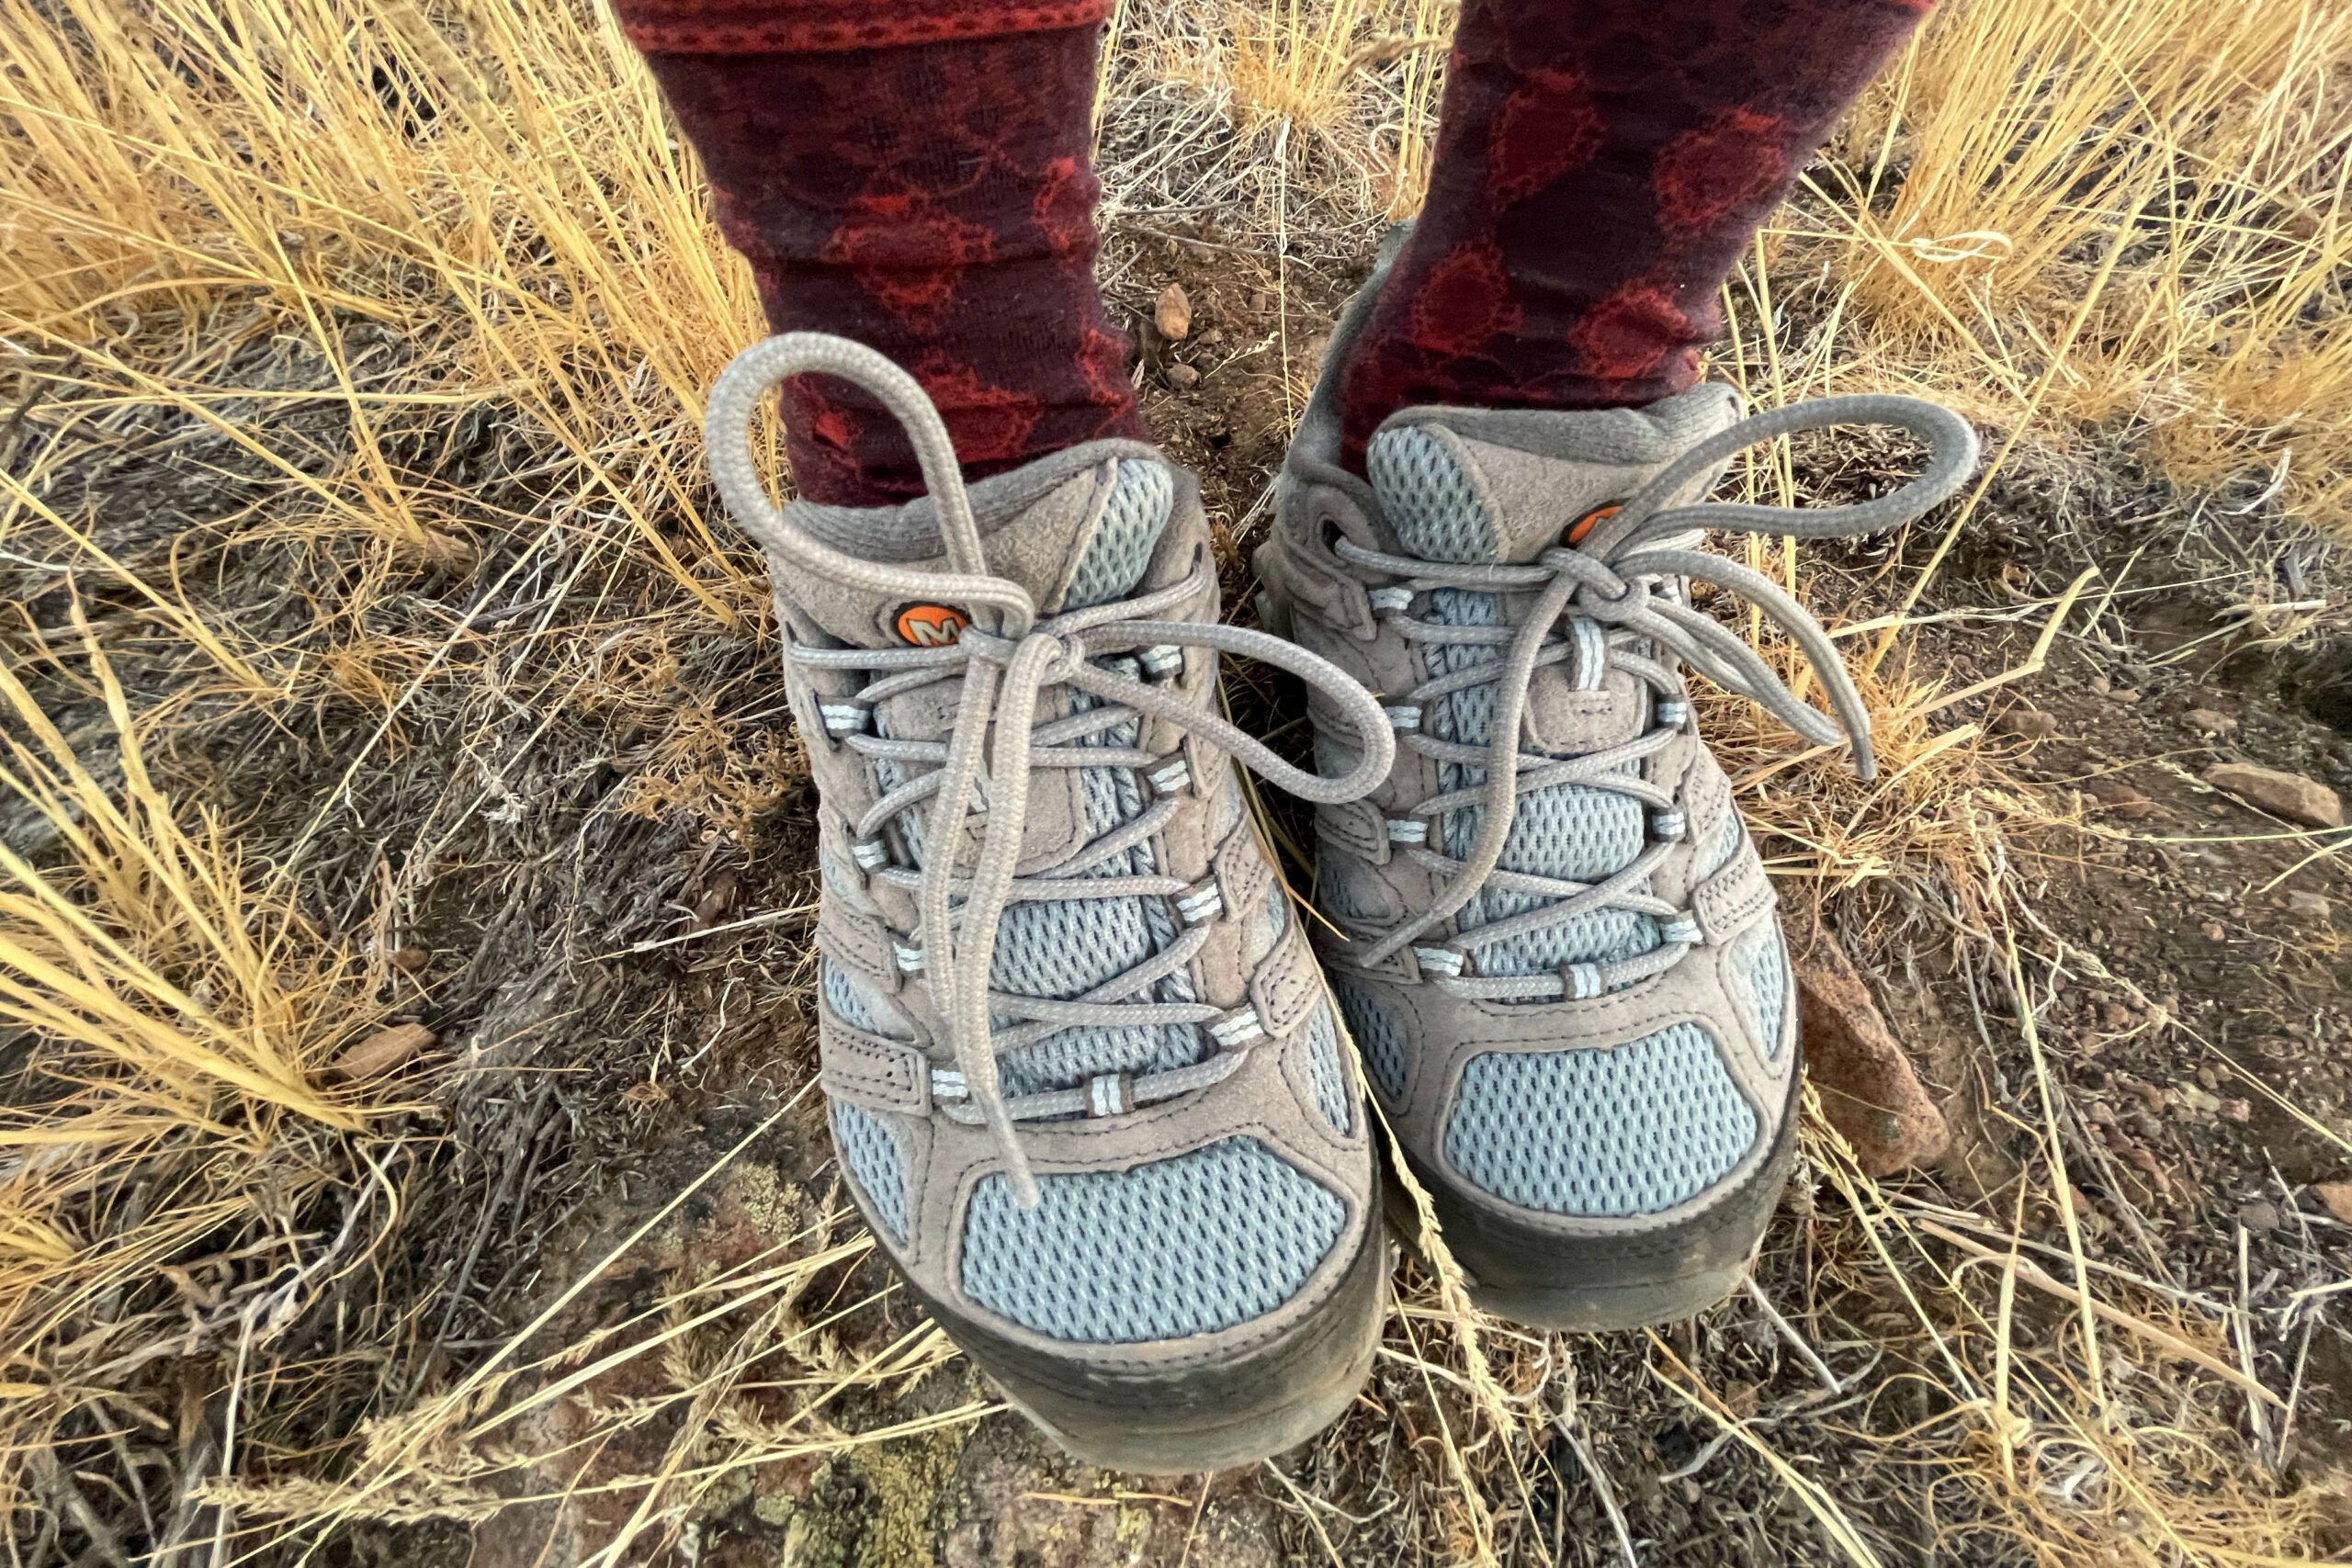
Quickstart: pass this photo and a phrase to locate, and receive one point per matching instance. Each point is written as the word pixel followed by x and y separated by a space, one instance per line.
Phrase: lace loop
pixel 1613 581
pixel 1008 658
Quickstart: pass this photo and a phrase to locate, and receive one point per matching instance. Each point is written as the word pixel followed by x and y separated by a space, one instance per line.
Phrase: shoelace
pixel 1615 591
pixel 1008 658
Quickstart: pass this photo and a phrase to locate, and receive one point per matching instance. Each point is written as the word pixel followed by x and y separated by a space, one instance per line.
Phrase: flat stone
pixel 2118 796
pixel 2288 796
pixel 2308 905
pixel 2260 1217
pixel 2028 724
pixel 2210 721
pixel 2337 1197
pixel 1868 1088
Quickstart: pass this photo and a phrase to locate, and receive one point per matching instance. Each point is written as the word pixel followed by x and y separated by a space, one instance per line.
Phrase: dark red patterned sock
pixel 1600 166
pixel 914 175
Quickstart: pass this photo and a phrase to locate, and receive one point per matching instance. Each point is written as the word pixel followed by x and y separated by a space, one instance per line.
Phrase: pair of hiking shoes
pixel 1093 1077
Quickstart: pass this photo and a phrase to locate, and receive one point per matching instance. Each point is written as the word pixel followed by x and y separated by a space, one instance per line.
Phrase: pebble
pixel 2210 721
pixel 1183 376
pixel 1172 312
pixel 2337 1197
pixel 2030 724
pixel 2261 1218
pixel 2308 905
pixel 2288 796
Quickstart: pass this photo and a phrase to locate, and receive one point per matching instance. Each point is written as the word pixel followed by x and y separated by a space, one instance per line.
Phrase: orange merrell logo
pixel 1583 526
pixel 931 625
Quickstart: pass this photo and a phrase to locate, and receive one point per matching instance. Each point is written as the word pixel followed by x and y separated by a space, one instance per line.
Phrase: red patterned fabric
pixel 1600 166
pixel 770 27
pixel 933 200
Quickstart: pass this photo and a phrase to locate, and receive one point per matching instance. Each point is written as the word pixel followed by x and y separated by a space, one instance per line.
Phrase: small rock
pixel 2290 795
pixel 2260 1217
pixel 2308 905
pixel 409 960
pixel 2198 1099
pixel 1173 313
pixel 2030 724
pixel 2101 686
pixel 2338 1196
pixel 1868 1088
pixel 2124 695
pixel 384 1050
pixel 2119 798
pixel 2214 932
pixel 1184 377
pixel 2238 1110
pixel 2210 721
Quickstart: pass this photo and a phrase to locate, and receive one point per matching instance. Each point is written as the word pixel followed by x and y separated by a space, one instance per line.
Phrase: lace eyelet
pixel 1163 662
pixel 846 719
pixel 1202 902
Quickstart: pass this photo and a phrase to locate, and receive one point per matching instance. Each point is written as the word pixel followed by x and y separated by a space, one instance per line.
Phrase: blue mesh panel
pixel 1379 1038
pixel 1192 1244
pixel 871 1156
pixel 1427 498
pixel 1718 854
pixel 1632 1130
pixel 1140 501
pixel 849 1004
pixel 1767 978
pixel 1328 1069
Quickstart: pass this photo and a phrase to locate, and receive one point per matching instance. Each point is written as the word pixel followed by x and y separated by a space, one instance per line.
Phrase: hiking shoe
pixel 1569 984
pixel 1083 1075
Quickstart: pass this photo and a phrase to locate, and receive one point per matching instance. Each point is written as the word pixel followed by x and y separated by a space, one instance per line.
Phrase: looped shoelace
pixel 1008 659
pixel 1611 590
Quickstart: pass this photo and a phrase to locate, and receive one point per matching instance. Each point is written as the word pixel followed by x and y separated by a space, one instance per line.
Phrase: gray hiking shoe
pixel 1570 986
pixel 1083 1075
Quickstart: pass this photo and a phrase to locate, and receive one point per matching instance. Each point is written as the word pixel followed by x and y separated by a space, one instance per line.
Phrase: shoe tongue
pixel 1479 486
pixel 1072 532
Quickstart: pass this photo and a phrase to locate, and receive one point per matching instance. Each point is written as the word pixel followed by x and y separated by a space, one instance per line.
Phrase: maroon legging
pixel 915 173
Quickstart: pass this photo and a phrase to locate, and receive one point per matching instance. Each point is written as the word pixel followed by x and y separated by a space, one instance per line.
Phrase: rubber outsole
pixel 1270 1397
pixel 1588 1285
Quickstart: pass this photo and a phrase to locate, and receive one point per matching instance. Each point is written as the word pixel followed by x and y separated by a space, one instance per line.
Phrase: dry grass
pixel 2125 214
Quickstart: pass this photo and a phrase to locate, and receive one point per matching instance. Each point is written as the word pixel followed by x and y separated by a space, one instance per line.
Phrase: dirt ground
pixel 602 909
